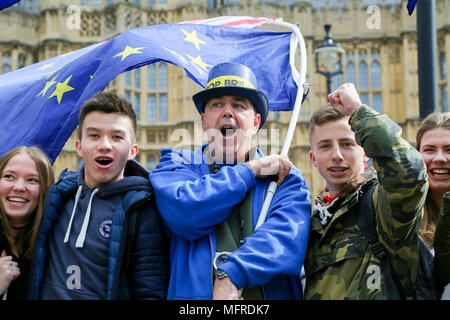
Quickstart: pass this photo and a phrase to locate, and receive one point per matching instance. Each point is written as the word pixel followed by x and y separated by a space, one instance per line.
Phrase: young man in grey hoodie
pixel 101 236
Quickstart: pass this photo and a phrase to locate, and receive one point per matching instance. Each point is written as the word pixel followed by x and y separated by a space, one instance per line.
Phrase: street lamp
pixel 328 55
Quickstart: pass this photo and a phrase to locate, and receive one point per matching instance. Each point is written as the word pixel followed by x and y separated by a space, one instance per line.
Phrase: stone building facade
pixel 378 36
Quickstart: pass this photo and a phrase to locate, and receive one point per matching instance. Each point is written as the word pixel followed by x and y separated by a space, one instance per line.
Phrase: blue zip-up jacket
pixel 148 273
pixel 192 202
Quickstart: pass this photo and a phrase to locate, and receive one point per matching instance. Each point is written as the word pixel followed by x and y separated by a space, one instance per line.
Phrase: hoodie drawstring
pixel 323 211
pixel 77 197
pixel 82 235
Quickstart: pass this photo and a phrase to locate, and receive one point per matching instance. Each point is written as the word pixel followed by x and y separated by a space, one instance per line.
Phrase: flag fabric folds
pixel 410 6
pixel 7 3
pixel 39 104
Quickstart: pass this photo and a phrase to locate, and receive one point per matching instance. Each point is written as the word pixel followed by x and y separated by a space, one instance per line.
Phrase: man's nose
pixel 227 110
pixel 105 144
pixel 337 155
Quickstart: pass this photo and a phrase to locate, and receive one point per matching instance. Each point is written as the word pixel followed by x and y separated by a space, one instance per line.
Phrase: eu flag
pixel 410 6
pixel 7 3
pixel 39 104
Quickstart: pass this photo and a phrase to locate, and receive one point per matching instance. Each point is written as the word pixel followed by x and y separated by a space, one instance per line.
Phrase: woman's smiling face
pixel 19 188
pixel 435 150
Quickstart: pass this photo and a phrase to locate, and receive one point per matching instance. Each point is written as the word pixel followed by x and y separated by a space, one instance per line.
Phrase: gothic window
pixel 350 72
pixel 163 107
pixel 376 75
pixel 137 105
pixel 128 78
pixel 442 66
pixel 157 101
pixel 444 98
pixel 6 62
pixel 21 61
pixel 137 78
pixel 151 163
pixel 163 76
pixel 363 76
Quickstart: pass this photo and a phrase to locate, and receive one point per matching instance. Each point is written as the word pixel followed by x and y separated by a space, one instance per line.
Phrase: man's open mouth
pixel 338 169
pixel 227 130
pixel 103 161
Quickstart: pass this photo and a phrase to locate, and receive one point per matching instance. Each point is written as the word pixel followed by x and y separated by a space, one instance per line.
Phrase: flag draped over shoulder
pixel 410 6
pixel 7 3
pixel 39 104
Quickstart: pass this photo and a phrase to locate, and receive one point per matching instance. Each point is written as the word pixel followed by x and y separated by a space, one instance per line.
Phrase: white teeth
pixel 14 199
pixel 337 170
pixel 440 171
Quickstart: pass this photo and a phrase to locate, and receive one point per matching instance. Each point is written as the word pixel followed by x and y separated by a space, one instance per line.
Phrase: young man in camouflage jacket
pixel 340 263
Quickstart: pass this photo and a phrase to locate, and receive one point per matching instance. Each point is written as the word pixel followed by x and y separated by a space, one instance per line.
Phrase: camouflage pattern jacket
pixel 339 262
pixel 442 243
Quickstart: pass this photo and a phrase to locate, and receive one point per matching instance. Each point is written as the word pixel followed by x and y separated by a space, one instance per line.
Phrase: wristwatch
pixel 220 274
pixel 219 259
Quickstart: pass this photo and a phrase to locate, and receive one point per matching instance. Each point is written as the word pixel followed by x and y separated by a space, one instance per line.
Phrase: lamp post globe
pixel 328 57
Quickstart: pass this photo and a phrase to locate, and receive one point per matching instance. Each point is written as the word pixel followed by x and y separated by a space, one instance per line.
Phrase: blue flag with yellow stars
pixel 7 3
pixel 39 104
pixel 410 6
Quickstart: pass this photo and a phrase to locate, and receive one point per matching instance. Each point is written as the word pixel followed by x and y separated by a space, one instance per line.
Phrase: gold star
pixel 128 51
pixel 46 66
pixel 61 88
pixel 199 62
pixel 48 84
pixel 176 54
pixel 192 37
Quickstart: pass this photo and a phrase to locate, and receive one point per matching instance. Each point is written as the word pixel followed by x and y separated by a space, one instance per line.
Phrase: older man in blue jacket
pixel 211 199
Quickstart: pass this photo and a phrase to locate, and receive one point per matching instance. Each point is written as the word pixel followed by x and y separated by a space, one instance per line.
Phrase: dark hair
pixel 323 115
pixel 431 211
pixel 23 245
pixel 108 102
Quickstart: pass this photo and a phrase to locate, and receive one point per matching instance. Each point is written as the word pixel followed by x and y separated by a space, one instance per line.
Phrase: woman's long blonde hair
pixel 23 244
pixel 431 211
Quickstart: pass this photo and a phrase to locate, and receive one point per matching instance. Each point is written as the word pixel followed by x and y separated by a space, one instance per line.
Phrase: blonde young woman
pixel 433 142
pixel 25 175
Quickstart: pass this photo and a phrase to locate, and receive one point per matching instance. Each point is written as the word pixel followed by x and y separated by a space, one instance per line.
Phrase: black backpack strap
pixel 129 253
pixel 367 223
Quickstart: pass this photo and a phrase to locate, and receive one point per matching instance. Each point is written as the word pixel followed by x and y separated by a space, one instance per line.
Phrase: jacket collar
pixel 325 215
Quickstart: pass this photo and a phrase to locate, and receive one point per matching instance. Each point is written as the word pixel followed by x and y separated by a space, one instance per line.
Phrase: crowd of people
pixel 379 230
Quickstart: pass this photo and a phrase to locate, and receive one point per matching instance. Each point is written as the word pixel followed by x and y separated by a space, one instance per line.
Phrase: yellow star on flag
pixel 192 37
pixel 199 62
pixel 61 88
pixel 48 84
pixel 128 51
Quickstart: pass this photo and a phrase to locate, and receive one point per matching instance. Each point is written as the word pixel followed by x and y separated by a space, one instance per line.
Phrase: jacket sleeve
pixel 192 204
pixel 403 182
pixel 442 243
pixel 151 257
pixel 279 245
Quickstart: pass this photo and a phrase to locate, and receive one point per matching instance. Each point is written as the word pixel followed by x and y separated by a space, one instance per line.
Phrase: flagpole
pixel 299 79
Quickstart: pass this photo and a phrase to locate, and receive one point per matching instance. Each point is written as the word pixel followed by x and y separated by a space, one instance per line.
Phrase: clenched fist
pixel 273 165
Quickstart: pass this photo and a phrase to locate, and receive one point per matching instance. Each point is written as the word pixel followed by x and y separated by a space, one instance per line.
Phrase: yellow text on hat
pixel 229 81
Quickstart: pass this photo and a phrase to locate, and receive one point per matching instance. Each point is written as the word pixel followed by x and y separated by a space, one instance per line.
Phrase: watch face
pixel 220 258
